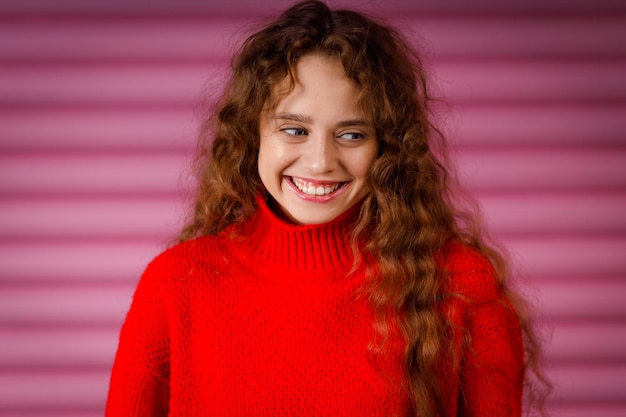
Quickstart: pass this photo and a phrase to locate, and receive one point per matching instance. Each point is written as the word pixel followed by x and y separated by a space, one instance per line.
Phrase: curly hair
pixel 409 214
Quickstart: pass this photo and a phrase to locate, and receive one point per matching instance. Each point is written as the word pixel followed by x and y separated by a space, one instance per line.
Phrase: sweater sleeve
pixel 493 360
pixel 139 383
pixel 491 371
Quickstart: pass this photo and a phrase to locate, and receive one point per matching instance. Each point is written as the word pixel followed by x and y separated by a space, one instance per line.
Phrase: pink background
pixel 97 125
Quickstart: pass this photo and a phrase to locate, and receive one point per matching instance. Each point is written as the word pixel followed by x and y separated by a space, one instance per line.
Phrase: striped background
pixel 97 121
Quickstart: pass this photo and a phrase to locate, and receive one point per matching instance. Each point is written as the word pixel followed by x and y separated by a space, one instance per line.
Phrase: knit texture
pixel 274 325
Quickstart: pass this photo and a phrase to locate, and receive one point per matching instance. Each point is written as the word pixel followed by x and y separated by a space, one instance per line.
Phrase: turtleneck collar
pixel 303 248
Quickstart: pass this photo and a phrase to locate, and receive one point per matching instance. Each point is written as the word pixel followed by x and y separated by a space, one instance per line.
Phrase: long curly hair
pixel 408 215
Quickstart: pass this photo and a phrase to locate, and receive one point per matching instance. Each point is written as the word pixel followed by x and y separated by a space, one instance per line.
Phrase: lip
pixel 317 198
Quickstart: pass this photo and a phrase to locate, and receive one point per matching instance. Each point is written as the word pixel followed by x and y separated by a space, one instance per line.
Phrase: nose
pixel 320 155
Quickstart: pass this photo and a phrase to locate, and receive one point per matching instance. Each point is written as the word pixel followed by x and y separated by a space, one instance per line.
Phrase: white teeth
pixel 310 189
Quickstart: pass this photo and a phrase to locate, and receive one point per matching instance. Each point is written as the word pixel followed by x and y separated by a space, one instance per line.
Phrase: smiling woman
pixel 326 270
pixel 316 146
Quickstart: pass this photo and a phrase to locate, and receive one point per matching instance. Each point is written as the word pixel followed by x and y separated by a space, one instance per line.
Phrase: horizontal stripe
pixel 168 82
pixel 137 39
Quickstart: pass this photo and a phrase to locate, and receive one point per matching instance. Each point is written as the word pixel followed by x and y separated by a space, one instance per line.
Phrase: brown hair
pixel 403 224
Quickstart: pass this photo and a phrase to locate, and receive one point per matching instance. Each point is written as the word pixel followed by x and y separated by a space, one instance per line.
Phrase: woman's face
pixel 316 147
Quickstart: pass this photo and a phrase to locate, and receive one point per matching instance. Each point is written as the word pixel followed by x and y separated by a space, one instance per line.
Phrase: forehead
pixel 319 78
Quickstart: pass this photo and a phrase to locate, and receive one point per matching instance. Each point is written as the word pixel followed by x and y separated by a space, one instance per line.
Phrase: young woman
pixel 326 270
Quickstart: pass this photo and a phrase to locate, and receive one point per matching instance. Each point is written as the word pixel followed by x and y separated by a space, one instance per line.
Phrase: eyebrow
pixel 308 119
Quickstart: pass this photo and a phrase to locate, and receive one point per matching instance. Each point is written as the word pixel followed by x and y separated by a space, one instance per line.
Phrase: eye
pixel 352 136
pixel 294 131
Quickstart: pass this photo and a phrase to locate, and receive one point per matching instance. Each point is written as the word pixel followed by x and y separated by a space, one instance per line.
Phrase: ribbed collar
pixel 304 249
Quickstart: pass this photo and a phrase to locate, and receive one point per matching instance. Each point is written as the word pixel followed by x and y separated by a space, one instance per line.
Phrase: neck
pixel 305 248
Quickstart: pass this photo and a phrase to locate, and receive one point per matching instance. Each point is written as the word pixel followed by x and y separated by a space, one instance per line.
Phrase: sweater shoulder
pixel 184 258
pixel 469 273
pixel 190 248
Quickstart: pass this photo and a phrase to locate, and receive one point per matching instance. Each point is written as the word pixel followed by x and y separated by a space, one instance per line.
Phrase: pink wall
pixel 96 131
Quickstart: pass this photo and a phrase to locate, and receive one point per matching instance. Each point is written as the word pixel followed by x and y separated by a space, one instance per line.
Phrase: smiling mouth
pixel 311 189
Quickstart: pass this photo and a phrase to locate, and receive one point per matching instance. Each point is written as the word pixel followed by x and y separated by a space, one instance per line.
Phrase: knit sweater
pixel 274 325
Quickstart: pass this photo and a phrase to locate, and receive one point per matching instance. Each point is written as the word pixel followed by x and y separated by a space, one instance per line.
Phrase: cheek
pixel 262 155
pixel 264 161
pixel 365 161
pixel 276 155
pixel 267 151
pixel 271 162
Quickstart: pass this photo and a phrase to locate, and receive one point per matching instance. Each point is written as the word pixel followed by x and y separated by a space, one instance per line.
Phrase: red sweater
pixel 273 326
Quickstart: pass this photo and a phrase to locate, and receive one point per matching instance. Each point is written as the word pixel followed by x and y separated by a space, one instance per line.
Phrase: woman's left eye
pixel 352 136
